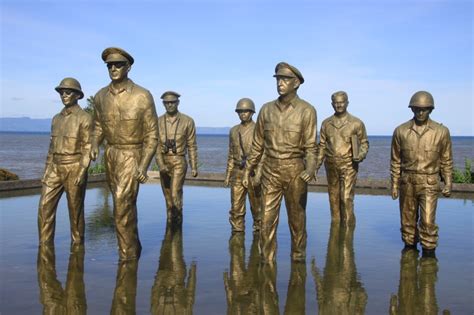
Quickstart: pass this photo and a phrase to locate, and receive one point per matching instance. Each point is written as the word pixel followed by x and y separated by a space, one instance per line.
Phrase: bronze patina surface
pixel 126 119
pixel 342 146
pixel 421 155
pixel 177 138
pixel 66 164
pixel 286 131
pixel 240 144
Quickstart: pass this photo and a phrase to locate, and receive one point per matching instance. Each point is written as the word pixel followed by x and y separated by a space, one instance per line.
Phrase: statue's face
pixel 171 105
pixel 68 97
pixel 339 103
pixel 421 113
pixel 245 115
pixel 118 70
pixel 286 85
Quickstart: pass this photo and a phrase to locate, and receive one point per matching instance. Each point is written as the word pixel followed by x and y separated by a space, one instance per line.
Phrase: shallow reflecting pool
pixel 202 269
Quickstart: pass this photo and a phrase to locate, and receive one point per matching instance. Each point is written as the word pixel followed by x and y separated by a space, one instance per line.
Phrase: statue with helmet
pixel 240 144
pixel 66 165
pixel 421 157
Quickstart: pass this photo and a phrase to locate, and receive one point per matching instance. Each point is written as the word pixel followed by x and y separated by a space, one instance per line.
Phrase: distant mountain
pixel 26 124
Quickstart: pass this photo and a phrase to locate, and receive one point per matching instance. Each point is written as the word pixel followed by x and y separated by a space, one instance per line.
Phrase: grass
pixel 463 176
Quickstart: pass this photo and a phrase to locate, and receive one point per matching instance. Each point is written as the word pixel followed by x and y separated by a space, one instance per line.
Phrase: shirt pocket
pixel 431 153
pixel 130 124
pixel 292 134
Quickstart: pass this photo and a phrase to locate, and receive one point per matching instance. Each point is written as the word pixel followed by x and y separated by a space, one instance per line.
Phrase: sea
pixel 24 153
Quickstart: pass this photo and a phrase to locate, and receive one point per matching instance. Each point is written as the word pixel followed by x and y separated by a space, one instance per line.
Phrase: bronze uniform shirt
pixel 235 151
pixel 126 116
pixel 285 132
pixel 335 139
pixel 184 129
pixel 426 153
pixel 70 134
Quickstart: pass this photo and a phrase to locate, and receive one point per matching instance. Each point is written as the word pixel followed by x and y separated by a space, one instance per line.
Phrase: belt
pixel 272 160
pixel 418 173
pixel 66 159
pixel 125 146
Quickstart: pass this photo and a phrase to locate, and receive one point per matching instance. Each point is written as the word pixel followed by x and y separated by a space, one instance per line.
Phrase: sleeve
pixel 49 157
pixel 321 149
pixel 230 158
pixel 150 132
pixel 395 159
pixel 364 142
pixel 309 140
pixel 257 144
pixel 446 158
pixel 85 134
pixel 191 144
pixel 97 132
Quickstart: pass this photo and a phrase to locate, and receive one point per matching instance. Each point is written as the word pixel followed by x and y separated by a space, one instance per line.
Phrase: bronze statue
pixel 339 290
pixel 240 143
pixel 177 136
pixel 286 132
pixel 54 298
pixel 241 281
pixel 170 294
pixel 417 287
pixel 342 146
pixel 125 293
pixel 421 153
pixel 125 117
pixel 66 165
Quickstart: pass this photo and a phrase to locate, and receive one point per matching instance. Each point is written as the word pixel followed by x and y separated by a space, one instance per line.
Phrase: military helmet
pixel 422 99
pixel 245 104
pixel 71 84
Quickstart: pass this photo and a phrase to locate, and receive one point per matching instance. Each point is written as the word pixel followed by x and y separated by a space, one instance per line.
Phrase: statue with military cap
pixel 66 165
pixel 286 131
pixel 177 139
pixel 125 117
pixel 240 144
pixel 343 144
pixel 421 156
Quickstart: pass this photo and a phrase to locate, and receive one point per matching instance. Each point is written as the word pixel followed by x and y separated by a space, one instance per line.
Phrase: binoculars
pixel 170 144
pixel 243 162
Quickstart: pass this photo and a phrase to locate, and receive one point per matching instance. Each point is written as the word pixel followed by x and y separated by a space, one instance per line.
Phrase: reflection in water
pixel 252 290
pixel 100 222
pixel 125 292
pixel 241 283
pixel 416 290
pixel 339 291
pixel 170 294
pixel 54 298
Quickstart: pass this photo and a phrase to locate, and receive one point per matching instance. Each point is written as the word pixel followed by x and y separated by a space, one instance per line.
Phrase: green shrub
pixel 97 167
pixel 463 176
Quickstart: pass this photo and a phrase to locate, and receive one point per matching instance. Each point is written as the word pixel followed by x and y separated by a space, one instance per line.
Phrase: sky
pixel 215 52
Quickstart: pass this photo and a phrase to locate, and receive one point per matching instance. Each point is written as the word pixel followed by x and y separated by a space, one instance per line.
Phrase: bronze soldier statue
pixel 177 136
pixel 66 165
pixel 125 117
pixel 421 153
pixel 240 143
pixel 342 146
pixel 286 131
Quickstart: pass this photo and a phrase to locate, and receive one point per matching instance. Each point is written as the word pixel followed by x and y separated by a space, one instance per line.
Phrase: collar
pixel 128 86
pixel 292 102
pixel 337 122
pixel 429 125
pixel 168 118
pixel 69 110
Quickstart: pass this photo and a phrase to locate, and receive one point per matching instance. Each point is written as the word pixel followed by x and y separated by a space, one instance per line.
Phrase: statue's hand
pixel 227 182
pixel 305 176
pixel 447 190
pixel 81 175
pixel 394 192
pixel 245 180
pixel 142 176
pixel 94 152
pixel 194 173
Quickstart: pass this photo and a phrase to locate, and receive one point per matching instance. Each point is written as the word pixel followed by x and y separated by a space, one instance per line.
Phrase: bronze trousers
pixel 281 178
pixel 238 195
pixel 172 185
pixel 418 201
pixel 121 163
pixel 60 178
pixel 55 299
pixel 341 176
